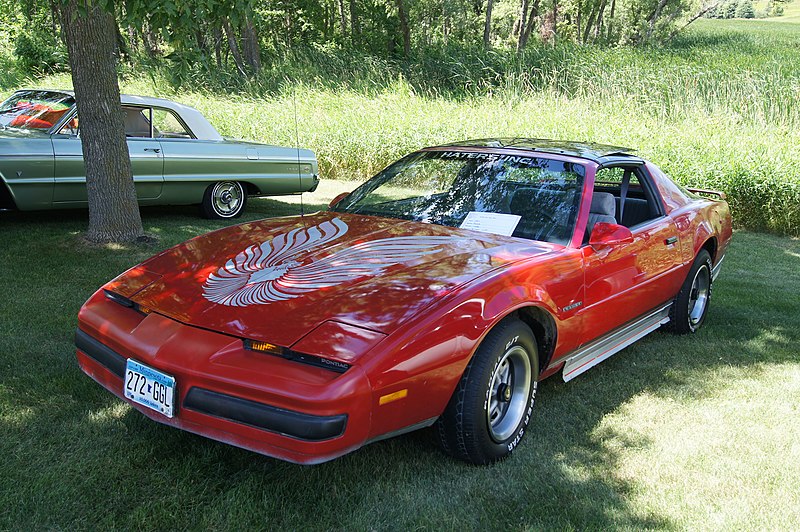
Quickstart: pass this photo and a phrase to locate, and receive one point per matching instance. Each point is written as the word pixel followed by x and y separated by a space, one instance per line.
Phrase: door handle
pixel 154 150
pixel 671 240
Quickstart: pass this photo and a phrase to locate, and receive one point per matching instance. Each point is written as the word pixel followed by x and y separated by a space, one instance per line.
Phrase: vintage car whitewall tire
pixel 690 306
pixel 491 407
pixel 224 199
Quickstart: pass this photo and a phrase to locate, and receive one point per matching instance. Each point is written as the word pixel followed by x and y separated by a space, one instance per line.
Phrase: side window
pixel 639 204
pixel 167 126
pixel 70 128
pixel 137 122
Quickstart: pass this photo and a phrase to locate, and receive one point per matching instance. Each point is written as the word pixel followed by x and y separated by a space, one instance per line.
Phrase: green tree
pixel 90 33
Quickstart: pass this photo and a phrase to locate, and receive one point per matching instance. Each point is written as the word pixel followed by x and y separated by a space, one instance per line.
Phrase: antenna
pixel 297 147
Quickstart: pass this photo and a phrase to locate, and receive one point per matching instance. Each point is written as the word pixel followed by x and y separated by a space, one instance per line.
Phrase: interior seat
pixel 603 209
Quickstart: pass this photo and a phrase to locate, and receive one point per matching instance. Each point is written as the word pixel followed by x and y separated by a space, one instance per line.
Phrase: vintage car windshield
pixel 39 110
pixel 527 197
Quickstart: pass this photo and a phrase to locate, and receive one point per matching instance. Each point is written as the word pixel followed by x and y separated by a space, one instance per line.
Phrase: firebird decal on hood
pixel 275 271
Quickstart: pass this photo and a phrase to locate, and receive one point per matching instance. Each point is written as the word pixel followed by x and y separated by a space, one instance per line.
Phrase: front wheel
pixel 690 306
pixel 490 410
pixel 225 199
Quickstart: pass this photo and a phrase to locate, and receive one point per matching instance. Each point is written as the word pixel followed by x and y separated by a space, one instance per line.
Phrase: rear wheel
pixel 490 410
pixel 688 311
pixel 225 199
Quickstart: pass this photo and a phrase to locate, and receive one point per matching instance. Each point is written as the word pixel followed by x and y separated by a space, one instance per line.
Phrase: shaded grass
pixel 675 432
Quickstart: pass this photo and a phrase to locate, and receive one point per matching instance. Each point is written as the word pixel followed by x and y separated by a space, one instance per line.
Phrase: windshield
pixel 34 109
pixel 526 197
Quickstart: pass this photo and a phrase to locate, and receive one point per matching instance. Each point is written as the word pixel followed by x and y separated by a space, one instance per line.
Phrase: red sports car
pixel 439 292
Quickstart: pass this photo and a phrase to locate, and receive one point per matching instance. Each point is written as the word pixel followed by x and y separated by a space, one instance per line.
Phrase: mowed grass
pixel 692 432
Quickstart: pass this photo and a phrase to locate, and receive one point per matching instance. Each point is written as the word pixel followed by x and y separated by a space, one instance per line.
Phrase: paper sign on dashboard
pixel 491 222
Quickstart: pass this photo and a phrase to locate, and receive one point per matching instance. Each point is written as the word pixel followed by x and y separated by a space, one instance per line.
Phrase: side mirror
pixel 606 234
pixel 337 199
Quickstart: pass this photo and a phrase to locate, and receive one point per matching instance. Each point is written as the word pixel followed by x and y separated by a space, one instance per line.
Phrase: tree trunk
pixel 651 20
pixel 589 25
pixel 233 44
pixel 610 28
pixel 355 26
pixel 218 46
pixel 487 27
pixel 598 27
pixel 404 28
pixel 532 15
pixel 252 51
pixel 113 208
pixel 342 17
pixel 555 21
pixel 523 19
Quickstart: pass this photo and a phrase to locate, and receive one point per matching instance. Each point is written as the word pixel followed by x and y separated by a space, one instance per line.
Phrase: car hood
pixel 276 280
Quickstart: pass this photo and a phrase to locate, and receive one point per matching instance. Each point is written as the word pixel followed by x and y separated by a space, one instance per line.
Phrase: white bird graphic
pixel 273 271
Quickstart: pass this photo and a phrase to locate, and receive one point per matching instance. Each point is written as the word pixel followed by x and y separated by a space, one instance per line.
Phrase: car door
pixel 147 162
pixel 626 280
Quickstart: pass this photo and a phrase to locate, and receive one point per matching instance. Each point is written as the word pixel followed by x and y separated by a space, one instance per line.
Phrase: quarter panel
pixel 191 165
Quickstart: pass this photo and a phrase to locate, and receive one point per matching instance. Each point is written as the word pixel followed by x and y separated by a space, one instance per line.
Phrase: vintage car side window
pixel 34 109
pixel 70 128
pixel 137 122
pixel 167 126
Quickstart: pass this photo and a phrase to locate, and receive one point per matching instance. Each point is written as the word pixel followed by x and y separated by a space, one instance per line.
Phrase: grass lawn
pixel 697 432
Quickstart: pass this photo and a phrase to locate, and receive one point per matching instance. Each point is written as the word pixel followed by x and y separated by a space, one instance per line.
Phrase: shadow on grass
pixel 74 456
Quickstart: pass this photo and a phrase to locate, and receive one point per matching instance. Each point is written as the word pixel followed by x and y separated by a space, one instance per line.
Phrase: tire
pixel 689 309
pixel 224 199
pixel 491 407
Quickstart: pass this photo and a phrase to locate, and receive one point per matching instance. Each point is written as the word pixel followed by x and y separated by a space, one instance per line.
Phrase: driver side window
pixel 638 205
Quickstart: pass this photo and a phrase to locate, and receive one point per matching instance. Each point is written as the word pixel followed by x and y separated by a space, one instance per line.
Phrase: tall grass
pixel 715 108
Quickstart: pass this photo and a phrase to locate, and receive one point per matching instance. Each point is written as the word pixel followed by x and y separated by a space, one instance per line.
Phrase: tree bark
pixel 113 207
pixel 487 26
pixel 532 15
pixel 523 19
pixel 651 20
pixel 404 28
pixel 250 46
pixel 342 17
pixel 234 46
pixel 610 28
pixel 598 27
pixel 589 25
pixel 355 25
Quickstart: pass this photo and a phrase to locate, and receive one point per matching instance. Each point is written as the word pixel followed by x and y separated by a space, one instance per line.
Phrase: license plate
pixel 149 387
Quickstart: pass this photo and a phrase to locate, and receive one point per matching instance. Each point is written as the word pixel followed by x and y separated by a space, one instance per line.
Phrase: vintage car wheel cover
pixel 226 198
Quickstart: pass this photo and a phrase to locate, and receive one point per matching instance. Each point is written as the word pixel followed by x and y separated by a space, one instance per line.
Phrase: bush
pixel 745 9
pixel 38 52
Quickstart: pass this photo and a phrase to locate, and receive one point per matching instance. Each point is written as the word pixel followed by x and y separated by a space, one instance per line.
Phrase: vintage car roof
pixel 194 119
pixel 600 153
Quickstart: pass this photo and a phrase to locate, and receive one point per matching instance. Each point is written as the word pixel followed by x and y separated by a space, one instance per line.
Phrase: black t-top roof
pixel 586 150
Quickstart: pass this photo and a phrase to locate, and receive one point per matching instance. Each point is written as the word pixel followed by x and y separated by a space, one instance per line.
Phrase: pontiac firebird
pixel 438 293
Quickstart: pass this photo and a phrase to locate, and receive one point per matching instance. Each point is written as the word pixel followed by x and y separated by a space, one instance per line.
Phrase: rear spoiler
pixel 706 192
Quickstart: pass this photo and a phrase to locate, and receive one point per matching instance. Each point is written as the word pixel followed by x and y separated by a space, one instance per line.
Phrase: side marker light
pixel 385 399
